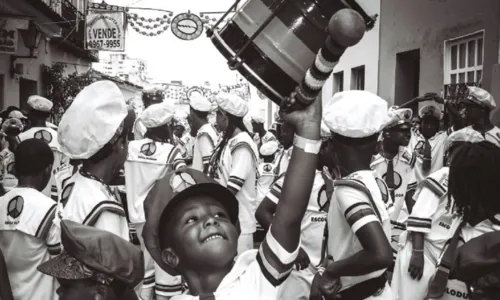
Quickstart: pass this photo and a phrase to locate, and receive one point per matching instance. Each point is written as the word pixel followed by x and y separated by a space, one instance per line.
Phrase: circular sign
pixel 187 26
pixel 193 91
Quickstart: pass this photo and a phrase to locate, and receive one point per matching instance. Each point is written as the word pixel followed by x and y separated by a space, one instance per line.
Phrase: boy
pixel 192 226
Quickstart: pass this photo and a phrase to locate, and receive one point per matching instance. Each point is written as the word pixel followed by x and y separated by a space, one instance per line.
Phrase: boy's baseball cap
pixel 167 192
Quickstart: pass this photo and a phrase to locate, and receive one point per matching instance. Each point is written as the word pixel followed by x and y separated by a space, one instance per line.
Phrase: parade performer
pixel 205 134
pixel 395 163
pixel 149 96
pixel 95 264
pixel 298 285
pixel 28 235
pixel 93 130
pixel 38 114
pixel 11 128
pixel 429 227
pixel 475 109
pixel 197 226
pixel 358 223
pixel 268 169
pixel 285 136
pixel 234 163
pixel 148 160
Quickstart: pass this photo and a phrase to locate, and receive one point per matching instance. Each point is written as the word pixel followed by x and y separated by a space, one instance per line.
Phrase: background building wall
pixel 426 24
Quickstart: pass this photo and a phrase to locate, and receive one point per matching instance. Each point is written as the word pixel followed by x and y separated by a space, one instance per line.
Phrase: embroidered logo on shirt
pixel 383 188
pixel 267 168
pixel 323 199
pixel 43 135
pixel 398 181
pixel 10 168
pixel 15 207
pixel 148 149
pixel 66 193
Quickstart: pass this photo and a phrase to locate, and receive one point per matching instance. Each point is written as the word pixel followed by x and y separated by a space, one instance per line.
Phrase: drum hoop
pixel 247 68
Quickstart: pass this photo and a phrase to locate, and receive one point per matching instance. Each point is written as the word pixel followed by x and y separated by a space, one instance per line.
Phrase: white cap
pixel 258 119
pixel 200 103
pixel 269 148
pixel 232 104
pixel 93 119
pixel 399 116
pixel 430 110
pixel 481 97
pixel 40 103
pixel 467 134
pixel 355 114
pixel 157 114
pixel 16 114
pixel 12 123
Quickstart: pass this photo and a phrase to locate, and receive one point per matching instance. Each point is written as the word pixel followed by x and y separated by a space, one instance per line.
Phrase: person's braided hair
pixel 233 123
pixel 473 181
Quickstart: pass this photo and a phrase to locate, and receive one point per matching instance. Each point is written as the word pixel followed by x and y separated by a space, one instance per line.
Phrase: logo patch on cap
pixel 181 181
pixel 15 207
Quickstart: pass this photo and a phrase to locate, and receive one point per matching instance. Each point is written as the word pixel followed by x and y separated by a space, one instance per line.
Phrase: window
pixel 358 78
pixel 463 61
pixel 338 82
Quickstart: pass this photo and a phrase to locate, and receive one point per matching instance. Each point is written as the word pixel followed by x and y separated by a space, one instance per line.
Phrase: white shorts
pixel 297 286
pixel 245 242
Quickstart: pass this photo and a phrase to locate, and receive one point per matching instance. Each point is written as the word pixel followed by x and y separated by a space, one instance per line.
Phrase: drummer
pixel 234 162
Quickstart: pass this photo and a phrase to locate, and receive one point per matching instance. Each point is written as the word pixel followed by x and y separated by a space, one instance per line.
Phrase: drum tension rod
pixel 210 31
pixel 235 62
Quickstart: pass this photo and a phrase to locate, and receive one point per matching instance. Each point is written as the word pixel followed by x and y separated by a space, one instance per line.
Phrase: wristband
pixel 309 146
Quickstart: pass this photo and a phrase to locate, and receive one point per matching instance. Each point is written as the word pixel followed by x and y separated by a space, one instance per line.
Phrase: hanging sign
pixel 9 34
pixel 105 28
pixel 187 26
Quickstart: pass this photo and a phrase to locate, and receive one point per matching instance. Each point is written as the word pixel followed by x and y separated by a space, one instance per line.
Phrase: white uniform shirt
pixel 267 173
pixel 430 215
pixel 314 220
pixel 90 203
pixel 256 274
pixel 49 135
pixel 147 162
pixel 29 238
pixel 493 136
pixel 437 153
pixel 238 169
pixel 204 145
pixel 283 159
pixel 351 209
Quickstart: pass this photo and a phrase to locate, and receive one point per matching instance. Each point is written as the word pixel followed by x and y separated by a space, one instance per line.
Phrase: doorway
pixel 407 77
pixel 27 88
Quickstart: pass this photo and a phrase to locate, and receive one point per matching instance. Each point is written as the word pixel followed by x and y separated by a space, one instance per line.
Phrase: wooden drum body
pixel 273 43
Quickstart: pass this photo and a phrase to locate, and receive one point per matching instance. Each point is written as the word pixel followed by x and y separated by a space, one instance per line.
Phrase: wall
pixel 426 24
pixel 47 54
pixel 366 53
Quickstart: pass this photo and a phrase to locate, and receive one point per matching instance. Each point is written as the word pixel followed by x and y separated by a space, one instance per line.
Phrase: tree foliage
pixel 61 88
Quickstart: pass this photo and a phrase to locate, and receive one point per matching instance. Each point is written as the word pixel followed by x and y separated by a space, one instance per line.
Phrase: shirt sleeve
pixel 206 147
pixel 426 205
pixel 53 240
pixel 113 223
pixel 241 168
pixel 274 261
pixel 274 193
pixel 355 206
pixel 176 158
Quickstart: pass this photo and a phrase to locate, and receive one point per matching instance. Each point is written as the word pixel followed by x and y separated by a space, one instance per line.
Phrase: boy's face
pixel 202 235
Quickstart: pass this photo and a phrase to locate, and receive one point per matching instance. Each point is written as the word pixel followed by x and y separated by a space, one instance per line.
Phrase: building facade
pixel 120 65
pixel 432 45
pixel 358 67
pixel 39 32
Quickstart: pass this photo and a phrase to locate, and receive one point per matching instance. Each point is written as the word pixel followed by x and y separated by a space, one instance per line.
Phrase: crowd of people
pixel 345 199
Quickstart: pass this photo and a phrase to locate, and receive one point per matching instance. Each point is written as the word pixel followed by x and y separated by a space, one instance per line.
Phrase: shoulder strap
pixel 356 184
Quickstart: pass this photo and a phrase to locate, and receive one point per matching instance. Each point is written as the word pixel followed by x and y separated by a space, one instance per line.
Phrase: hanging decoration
pixel 187 26
pixel 150 26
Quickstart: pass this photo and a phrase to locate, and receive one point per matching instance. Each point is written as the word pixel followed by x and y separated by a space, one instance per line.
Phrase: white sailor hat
pixel 355 114
pixel 40 103
pixel 157 114
pixel 258 119
pixel 481 97
pixel 269 148
pixel 430 110
pixel 200 103
pixel 467 134
pixel 399 116
pixel 94 119
pixel 232 104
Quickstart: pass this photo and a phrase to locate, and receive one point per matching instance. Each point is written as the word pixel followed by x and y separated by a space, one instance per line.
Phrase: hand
pixel 416 267
pixel 302 261
pixel 304 119
pixel 329 287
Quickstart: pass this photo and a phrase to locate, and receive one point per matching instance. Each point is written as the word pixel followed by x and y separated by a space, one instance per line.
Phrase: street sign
pixel 105 30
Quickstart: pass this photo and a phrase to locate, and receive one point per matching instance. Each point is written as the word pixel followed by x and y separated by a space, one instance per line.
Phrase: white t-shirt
pixel 90 203
pixel 147 162
pixel 204 145
pixel 416 145
pixel 350 210
pixel 238 169
pixel 49 135
pixel 314 220
pixel 29 238
pixel 256 274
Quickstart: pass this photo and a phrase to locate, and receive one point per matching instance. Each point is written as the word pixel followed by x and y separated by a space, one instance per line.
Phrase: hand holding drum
pixel 345 29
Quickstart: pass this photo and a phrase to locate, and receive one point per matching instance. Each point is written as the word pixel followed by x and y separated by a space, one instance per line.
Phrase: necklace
pixel 93 177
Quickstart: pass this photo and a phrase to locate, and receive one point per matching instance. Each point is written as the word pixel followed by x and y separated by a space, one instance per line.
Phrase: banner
pixel 105 30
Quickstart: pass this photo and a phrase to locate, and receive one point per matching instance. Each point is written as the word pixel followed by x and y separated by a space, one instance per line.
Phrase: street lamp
pixel 31 38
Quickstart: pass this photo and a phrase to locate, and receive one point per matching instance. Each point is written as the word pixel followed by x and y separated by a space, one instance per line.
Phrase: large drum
pixel 273 43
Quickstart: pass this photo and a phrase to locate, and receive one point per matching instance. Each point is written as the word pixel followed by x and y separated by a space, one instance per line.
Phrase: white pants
pixel 245 242
pixel 297 286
